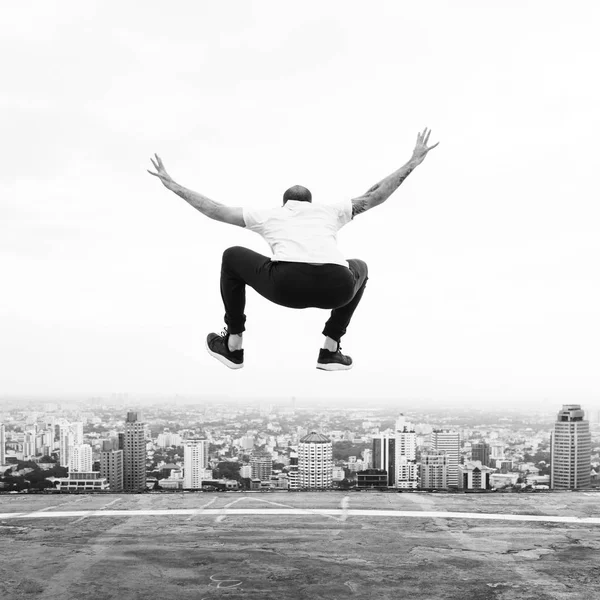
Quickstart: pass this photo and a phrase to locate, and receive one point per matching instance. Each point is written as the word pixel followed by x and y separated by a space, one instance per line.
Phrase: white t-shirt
pixel 302 231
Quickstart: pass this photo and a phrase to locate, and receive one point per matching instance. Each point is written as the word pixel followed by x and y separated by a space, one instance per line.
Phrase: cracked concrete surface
pixel 310 555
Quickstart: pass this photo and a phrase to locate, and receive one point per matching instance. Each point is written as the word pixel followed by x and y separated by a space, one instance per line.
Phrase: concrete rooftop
pixel 329 545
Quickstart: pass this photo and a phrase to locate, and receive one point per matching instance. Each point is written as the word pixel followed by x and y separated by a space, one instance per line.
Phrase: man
pixel 307 268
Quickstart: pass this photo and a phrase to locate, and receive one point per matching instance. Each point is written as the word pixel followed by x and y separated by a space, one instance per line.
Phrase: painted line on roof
pixel 274 512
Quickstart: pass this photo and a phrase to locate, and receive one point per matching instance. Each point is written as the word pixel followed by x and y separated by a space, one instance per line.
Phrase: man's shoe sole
pixel 223 359
pixel 333 366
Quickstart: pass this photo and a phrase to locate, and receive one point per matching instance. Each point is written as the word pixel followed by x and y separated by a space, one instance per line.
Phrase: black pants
pixel 295 285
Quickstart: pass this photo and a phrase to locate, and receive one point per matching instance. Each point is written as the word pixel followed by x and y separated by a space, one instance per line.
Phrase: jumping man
pixel 307 269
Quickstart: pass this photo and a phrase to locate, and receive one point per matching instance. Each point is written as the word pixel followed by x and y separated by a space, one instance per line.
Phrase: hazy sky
pixel 484 279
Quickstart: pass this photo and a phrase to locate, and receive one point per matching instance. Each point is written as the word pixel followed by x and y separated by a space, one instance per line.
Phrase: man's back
pixel 302 231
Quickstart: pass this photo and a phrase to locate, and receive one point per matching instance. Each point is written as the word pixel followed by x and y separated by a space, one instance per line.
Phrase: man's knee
pixel 232 254
pixel 360 266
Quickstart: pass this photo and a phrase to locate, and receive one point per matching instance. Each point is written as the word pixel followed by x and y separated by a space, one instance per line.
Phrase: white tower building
pixel 80 458
pixel 70 434
pixel 195 462
pixel 407 470
pixel 315 461
pixel 77 429
pixel 66 440
pixel 448 442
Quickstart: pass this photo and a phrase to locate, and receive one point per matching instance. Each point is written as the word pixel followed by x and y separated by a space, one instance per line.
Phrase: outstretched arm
pixel 208 207
pixel 381 191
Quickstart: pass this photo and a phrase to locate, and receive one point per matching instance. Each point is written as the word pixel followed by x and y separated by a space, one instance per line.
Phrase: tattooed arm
pixel 381 191
pixel 208 207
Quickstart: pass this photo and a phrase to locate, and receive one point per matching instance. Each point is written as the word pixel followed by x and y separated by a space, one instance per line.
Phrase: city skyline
pixel 284 447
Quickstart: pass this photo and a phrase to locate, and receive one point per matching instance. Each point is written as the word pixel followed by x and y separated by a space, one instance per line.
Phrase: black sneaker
pixel 333 361
pixel 217 347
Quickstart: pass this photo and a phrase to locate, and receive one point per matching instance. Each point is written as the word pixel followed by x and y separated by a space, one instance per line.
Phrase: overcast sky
pixel 484 279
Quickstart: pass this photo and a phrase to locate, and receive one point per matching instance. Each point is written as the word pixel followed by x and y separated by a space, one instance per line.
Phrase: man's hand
pixel 161 172
pixel 421 148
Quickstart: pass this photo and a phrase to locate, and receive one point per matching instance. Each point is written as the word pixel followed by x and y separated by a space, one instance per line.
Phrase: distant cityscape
pixel 276 445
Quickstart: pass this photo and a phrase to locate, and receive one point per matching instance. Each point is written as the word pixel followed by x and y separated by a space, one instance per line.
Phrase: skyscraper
pixel 29 443
pixel 70 434
pixel 368 456
pixel 134 471
pixel 293 474
pixel 111 467
pixel 480 451
pixel 262 465
pixel 80 458
pixel 434 470
pixel 48 441
pixel 448 442
pixel 2 444
pixel 384 455
pixel 407 471
pixel 497 451
pixel 315 461
pixel 65 442
pixel 77 429
pixel 571 450
pixel 195 462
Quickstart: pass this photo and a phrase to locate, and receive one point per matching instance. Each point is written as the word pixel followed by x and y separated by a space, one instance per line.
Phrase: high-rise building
pixel 407 470
pixel 434 470
pixel 48 438
pixel 111 468
pixel 315 461
pixel 80 458
pixel 70 434
pixel 571 450
pixel 396 452
pixel 66 440
pixel 474 475
pixel 29 443
pixel 2 444
pixel 384 455
pixel 496 452
pixel 262 465
pixel 293 474
pixel 134 459
pixel 77 429
pixel 195 462
pixel 448 442
pixel 481 451
pixel 368 457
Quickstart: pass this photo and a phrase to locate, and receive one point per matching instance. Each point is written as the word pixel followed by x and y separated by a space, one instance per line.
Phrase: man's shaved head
pixel 299 193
